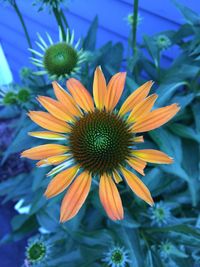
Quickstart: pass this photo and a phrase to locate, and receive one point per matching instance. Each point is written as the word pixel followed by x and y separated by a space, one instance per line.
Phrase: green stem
pixel 64 19
pixel 23 23
pixel 57 15
pixel 134 26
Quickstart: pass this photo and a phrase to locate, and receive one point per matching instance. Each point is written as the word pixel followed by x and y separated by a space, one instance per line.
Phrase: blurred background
pixel 151 40
pixel 154 17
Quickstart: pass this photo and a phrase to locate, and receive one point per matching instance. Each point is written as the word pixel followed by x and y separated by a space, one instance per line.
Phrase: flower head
pixel 23 95
pixel 58 60
pixel 37 250
pixel 163 42
pixel 9 98
pixel 129 19
pixel 25 73
pixel 117 256
pixel 97 141
pixel 160 214
pixel 166 249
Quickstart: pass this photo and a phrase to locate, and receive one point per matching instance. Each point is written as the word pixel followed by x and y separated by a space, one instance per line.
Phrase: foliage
pixel 166 235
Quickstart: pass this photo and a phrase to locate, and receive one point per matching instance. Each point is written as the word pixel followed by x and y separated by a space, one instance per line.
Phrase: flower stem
pixel 64 19
pixel 134 26
pixel 15 6
pixel 57 14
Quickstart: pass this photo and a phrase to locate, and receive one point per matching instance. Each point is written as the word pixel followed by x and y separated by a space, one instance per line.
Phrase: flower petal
pixel 55 108
pixel 75 196
pixel 66 99
pixel 44 151
pixel 136 97
pixel 152 156
pixel 54 160
pixel 110 198
pixel 142 108
pixel 60 167
pixel 117 177
pixel 115 89
pixel 99 88
pixel 155 119
pixel 137 164
pixel 138 139
pixel 80 94
pixel 48 135
pixel 137 186
pixel 49 122
pixel 60 182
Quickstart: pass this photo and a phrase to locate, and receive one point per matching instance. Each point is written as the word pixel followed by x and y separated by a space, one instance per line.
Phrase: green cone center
pixel 100 142
pixel 60 59
pixel 117 256
pixel 36 252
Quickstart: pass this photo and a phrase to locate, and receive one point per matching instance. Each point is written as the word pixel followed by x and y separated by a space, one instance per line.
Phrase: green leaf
pixel 180 228
pixel 131 240
pixel 168 143
pixel 152 49
pixel 89 42
pixel 26 228
pixel 153 259
pixel 39 175
pixel 48 218
pixel 92 238
pixel 166 91
pixel 18 220
pixel 128 221
pixel 183 100
pixel 178 253
pixel 190 16
pixel 184 131
pixel 196 113
pixel 21 139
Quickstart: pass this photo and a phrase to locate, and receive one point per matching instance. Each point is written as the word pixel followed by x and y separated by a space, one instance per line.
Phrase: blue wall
pixel 157 15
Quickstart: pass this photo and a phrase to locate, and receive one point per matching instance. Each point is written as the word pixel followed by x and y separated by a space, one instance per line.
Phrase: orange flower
pixel 97 141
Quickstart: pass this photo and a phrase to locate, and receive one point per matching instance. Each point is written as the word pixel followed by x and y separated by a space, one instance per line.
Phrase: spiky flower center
pixel 36 252
pixel 60 59
pixel 117 256
pixel 100 142
pixel 159 213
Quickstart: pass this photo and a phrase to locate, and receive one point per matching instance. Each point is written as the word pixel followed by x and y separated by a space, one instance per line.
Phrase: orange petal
pixel 55 108
pixel 99 88
pixel 48 135
pixel 153 156
pixel 55 160
pixel 136 97
pixel 138 139
pixel 66 99
pixel 142 108
pixel 137 186
pixel 115 89
pixel 137 164
pixel 60 182
pixel 75 196
pixel 49 122
pixel 155 119
pixel 80 94
pixel 116 177
pixel 110 198
pixel 44 151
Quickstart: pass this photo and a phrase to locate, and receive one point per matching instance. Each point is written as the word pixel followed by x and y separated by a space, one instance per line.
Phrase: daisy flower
pixel 58 60
pixel 117 256
pixel 97 141
pixel 38 251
